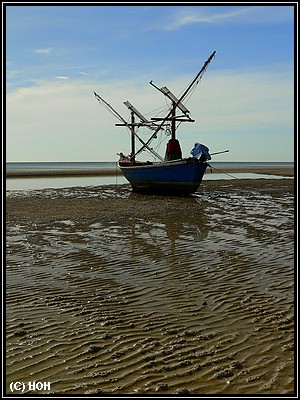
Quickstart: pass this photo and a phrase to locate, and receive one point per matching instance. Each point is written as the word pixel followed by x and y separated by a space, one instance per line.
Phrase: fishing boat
pixel 172 174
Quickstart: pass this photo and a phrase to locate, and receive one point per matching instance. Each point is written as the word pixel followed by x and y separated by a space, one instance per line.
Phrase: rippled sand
pixel 111 292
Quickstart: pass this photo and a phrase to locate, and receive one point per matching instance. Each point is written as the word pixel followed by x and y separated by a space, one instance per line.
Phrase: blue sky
pixel 58 55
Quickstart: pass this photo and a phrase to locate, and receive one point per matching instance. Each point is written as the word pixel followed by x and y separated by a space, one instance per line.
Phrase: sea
pixel 22 183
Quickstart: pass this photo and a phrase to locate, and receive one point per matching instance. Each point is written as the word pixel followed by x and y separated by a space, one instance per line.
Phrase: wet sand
pixel 111 292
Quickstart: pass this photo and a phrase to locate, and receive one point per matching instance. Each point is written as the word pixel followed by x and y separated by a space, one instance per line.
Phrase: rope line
pixel 222 172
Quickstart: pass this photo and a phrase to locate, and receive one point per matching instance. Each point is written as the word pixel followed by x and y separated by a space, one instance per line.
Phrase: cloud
pixel 230 14
pixel 61 77
pixel 61 121
pixel 44 51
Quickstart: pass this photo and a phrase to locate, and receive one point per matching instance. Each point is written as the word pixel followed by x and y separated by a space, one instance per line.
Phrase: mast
pixel 178 102
pixel 173 122
pixel 144 122
pixel 132 156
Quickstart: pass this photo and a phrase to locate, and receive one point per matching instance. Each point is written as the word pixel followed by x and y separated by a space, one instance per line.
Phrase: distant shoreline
pixel 287 171
pixel 64 172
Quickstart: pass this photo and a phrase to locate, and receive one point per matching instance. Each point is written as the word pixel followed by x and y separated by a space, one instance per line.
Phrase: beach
pixel 113 292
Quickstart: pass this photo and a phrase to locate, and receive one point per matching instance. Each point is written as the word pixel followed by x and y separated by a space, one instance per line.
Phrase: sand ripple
pixel 193 295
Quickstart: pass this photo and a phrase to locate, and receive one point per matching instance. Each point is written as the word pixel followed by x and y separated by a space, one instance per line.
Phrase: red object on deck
pixel 173 151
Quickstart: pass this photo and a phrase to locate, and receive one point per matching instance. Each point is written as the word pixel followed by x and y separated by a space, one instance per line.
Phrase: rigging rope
pixel 222 172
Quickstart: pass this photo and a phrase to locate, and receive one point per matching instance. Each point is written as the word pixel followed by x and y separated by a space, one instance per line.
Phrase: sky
pixel 57 55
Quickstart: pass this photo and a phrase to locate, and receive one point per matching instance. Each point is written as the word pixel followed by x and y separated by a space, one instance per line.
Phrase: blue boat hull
pixel 172 177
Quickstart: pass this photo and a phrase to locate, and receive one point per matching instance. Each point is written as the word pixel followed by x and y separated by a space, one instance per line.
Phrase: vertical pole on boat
pixel 132 158
pixel 173 130
pixel 173 151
